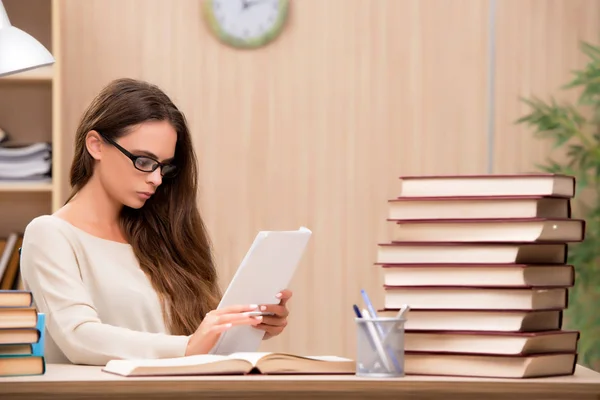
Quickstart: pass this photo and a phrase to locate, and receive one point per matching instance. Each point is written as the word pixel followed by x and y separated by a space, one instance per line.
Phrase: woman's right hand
pixel 216 322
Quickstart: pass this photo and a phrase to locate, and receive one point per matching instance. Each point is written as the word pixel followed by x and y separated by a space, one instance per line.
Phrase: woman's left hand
pixel 274 325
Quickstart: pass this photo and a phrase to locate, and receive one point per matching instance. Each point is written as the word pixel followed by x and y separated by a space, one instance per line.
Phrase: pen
pixel 382 335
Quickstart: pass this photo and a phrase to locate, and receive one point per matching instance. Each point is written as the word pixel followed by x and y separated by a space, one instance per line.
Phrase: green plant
pixel 574 130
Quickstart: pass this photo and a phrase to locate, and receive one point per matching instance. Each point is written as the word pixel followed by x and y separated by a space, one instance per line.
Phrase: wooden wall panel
pixel 537 49
pixel 312 130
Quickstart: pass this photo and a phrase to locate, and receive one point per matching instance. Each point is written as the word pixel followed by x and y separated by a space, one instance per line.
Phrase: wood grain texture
pixel 71 382
pixel 313 129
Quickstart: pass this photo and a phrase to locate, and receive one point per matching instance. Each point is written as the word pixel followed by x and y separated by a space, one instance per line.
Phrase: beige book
pixel 19 335
pixel 485 207
pixel 16 298
pixel 478 342
pixel 235 363
pixel 517 275
pixel 471 253
pixel 491 366
pixel 488 185
pixel 480 320
pixel 489 230
pixel 18 317
pixel 22 365
pixel 472 298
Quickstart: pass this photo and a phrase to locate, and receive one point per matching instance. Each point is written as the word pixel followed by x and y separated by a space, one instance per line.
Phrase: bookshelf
pixel 29 113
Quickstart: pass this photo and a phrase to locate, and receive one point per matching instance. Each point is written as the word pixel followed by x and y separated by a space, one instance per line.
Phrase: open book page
pixel 254 358
pixel 235 363
pixel 202 364
pixel 280 363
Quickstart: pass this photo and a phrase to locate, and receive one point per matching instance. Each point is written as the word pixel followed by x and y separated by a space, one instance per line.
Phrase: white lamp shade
pixel 19 51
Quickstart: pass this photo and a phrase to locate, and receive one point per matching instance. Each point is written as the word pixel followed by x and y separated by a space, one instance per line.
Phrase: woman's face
pixel 154 140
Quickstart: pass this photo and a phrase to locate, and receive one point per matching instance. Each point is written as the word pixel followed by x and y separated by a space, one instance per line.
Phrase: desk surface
pixel 70 381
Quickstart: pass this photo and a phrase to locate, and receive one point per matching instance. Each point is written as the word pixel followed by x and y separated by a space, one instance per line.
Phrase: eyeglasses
pixel 145 163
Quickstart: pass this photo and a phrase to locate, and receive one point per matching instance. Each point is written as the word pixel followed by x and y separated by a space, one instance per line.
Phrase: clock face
pixel 246 23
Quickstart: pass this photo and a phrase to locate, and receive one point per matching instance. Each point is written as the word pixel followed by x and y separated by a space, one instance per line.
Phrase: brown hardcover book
pixel 515 275
pixel 10 274
pixel 534 184
pixel 478 207
pixel 471 253
pixel 481 320
pixel 475 298
pixel 489 342
pixel 490 366
pixel 527 230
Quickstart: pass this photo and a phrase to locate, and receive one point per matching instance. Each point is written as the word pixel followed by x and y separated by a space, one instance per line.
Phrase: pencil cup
pixel 380 347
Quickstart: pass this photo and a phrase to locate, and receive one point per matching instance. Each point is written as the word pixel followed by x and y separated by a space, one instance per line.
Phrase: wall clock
pixel 246 23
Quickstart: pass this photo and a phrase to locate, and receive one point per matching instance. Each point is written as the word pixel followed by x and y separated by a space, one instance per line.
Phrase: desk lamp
pixel 19 51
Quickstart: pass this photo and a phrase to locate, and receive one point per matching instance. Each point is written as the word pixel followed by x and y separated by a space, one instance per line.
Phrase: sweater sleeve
pixel 50 270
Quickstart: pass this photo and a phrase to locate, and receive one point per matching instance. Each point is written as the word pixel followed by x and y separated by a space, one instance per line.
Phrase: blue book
pixel 37 349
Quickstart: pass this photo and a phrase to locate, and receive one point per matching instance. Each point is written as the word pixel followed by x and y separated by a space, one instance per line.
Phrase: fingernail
pixel 254 306
pixel 278 295
pixel 259 318
pixel 263 308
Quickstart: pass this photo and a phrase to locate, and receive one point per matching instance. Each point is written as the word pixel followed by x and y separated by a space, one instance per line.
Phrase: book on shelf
pixel 233 364
pixel 25 162
pixel 482 262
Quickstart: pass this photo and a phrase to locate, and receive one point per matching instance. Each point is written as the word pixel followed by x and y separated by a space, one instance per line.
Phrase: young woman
pixel 124 269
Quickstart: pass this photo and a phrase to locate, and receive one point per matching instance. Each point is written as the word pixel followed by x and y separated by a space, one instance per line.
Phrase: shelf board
pixel 42 74
pixel 25 187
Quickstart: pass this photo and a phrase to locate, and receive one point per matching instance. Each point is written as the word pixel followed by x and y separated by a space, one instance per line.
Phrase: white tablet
pixel 266 269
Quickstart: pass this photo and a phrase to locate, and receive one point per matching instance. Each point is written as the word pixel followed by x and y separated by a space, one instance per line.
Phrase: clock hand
pixel 247 3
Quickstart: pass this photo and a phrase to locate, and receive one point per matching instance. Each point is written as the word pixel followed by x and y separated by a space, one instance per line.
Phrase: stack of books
pixel 26 162
pixel 21 335
pixel 482 263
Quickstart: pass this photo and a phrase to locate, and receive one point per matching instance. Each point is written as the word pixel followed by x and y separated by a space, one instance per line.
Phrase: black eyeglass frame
pixel 134 158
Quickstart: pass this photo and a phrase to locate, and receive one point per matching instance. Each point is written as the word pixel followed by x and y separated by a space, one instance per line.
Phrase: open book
pixel 235 363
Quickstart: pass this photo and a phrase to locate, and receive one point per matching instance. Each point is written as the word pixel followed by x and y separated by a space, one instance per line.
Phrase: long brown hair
pixel 167 234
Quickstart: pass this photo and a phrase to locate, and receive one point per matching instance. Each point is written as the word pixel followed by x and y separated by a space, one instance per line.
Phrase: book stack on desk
pixel 21 335
pixel 482 263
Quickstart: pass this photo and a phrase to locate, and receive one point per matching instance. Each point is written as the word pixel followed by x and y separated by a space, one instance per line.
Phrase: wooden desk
pixel 76 382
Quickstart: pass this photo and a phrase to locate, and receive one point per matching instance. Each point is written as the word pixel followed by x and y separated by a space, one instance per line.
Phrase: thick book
pixel 534 184
pixel 515 275
pixel 480 320
pixel 527 230
pixel 478 207
pixel 471 253
pixel 16 298
pixel 492 342
pixel 490 366
pixel 233 364
pixel 18 317
pixel 476 298
pixel 20 365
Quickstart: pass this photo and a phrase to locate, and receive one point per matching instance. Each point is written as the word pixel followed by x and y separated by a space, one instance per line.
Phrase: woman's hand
pixel 274 325
pixel 216 322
